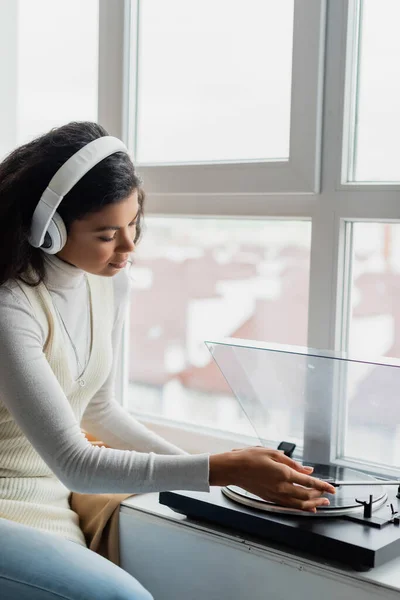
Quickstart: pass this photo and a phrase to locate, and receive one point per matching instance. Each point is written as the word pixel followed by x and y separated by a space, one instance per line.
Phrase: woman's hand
pixel 271 475
pixel 94 441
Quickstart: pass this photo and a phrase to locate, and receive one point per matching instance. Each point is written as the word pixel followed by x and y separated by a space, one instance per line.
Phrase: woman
pixel 71 208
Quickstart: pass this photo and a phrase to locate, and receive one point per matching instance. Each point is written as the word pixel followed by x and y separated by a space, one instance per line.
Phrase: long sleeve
pixel 35 400
pixel 104 416
pixel 108 421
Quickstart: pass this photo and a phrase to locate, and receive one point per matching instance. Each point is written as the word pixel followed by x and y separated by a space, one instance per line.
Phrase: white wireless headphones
pixel 48 231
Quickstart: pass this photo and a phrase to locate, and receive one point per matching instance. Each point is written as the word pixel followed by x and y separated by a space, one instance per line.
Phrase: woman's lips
pixel 120 265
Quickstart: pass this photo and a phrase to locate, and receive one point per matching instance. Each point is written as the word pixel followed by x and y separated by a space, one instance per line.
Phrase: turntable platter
pixel 342 503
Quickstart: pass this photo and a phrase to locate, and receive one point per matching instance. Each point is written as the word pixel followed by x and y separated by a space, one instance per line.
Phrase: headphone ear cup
pixel 56 235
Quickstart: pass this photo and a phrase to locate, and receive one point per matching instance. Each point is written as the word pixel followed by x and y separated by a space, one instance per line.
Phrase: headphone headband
pixel 64 180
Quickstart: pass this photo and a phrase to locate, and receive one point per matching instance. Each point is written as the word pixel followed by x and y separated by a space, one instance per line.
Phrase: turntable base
pixel 339 538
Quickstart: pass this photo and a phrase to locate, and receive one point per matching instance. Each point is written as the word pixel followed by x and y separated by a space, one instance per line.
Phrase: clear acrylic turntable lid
pixel 306 396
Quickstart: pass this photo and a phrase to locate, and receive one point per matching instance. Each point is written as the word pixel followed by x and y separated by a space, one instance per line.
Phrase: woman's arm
pixel 108 421
pixel 104 417
pixel 36 401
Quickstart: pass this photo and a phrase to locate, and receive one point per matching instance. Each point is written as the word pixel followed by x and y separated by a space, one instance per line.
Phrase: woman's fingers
pixel 300 492
pixel 298 475
pixel 293 463
pixel 312 482
pixel 281 457
pixel 304 469
pixel 310 504
pixel 274 476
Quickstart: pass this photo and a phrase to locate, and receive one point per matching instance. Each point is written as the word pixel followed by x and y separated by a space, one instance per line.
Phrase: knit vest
pixel 29 492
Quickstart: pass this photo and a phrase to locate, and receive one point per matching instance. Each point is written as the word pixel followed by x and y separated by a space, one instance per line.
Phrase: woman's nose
pixel 126 244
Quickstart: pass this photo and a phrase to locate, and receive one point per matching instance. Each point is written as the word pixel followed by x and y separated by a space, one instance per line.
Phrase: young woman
pixel 70 210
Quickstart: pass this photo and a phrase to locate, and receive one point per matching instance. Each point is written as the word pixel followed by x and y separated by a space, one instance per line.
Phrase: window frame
pixel 350 77
pixel 331 202
pixel 299 174
pixel 9 75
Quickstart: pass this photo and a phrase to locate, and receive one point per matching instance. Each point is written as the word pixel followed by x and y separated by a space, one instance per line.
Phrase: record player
pixel 318 393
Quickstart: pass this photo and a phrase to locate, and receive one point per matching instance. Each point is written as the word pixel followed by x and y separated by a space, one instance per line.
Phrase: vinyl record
pixel 342 503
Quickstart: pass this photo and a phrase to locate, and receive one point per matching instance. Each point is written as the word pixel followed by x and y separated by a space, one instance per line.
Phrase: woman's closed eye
pixel 106 239
pixel 111 239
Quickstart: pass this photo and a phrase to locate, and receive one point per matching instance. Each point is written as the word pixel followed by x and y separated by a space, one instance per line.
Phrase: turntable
pixel 361 526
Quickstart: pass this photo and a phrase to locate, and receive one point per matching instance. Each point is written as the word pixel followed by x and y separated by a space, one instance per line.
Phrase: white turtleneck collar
pixel 60 274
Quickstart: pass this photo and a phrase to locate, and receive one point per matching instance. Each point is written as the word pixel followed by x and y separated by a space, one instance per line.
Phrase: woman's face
pixel 102 242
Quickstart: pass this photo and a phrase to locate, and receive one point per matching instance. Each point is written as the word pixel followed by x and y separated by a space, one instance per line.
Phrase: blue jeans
pixel 35 565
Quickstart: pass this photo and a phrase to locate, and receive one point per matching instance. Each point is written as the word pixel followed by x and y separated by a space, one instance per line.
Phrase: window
pixel 65 45
pixel 216 85
pixel 365 415
pixel 197 279
pixel 228 99
pixel 199 194
pixel 375 289
pixel 372 416
pixel 230 109
pixel 376 121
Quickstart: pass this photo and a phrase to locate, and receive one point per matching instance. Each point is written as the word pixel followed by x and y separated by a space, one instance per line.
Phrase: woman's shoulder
pixel 11 294
pixel 16 312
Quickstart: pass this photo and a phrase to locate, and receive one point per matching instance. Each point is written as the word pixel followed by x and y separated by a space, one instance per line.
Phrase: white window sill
pixel 196 439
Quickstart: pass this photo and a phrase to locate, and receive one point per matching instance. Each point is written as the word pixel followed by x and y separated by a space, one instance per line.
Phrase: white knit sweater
pixel 43 453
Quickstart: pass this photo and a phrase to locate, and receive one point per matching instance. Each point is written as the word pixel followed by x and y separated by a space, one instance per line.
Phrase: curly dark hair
pixel 25 174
